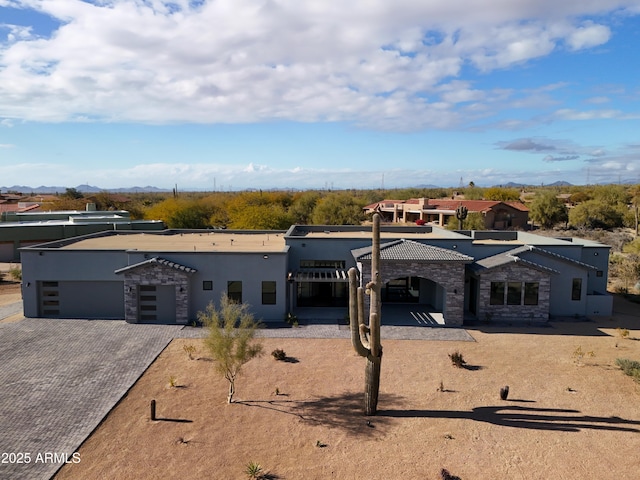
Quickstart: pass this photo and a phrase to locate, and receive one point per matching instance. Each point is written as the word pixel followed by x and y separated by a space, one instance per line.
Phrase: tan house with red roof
pixel 497 215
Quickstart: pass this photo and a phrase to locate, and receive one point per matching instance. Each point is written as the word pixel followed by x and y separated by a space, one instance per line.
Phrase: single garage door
pixel 65 299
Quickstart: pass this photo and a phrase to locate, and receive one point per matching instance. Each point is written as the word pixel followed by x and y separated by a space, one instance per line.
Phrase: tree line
pixel 589 207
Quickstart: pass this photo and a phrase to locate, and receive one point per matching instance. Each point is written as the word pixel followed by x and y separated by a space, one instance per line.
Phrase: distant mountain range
pixel 149 189
pixel 81 188
pixel 560 183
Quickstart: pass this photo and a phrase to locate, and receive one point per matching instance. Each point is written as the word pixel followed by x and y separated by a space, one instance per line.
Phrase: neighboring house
pixel 11 202
pixel 170 276
pixel 496 215
pixel 26 227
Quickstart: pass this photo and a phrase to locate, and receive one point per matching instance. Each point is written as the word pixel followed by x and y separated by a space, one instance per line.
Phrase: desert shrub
pixel 15 273
pixel 629 367
pixel 253 470
pixel 622 332
pixel 189 350
pixel 578 354
pixel 457 359
pixel 291 319
pixel 279 354
pixel 172 381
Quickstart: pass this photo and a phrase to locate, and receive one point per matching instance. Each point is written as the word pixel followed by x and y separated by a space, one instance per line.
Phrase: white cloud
pixel 590 35
pixel 598 100
pixel 607 114
pixel 375 63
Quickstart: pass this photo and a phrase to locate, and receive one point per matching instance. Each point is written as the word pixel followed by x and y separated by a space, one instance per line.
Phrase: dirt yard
pixel 565 417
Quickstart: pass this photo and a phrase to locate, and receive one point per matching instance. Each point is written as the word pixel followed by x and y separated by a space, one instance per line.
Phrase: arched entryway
pixel 439 273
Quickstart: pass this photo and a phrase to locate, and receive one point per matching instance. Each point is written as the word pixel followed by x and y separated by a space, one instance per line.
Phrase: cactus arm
pixel 355 314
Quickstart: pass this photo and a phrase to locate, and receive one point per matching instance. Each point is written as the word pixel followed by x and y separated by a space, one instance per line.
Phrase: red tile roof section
pixel 448 204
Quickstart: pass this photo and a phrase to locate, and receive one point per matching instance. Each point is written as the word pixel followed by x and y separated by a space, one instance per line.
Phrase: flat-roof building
pixel 171 275
pixel 19 229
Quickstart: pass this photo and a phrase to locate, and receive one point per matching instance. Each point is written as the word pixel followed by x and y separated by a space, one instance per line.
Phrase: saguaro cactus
pixel 461 214
pixel 366 337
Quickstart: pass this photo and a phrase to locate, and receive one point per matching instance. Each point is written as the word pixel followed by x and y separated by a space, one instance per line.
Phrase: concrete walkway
pixel 59 379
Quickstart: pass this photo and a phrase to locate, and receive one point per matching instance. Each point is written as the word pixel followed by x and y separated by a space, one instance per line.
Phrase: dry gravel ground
pixel 564 419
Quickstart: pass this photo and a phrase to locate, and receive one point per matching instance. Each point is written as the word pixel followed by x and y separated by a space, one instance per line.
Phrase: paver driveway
pixel 58 379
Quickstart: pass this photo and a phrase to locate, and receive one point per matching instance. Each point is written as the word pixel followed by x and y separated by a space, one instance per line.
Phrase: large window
pixel 497 293
pixel 268 293
pixel 576 289
pixel 514 293
pixel 234 291
pixel 531 293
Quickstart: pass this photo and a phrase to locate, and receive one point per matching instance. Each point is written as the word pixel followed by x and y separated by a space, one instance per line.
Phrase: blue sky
pixel 235 94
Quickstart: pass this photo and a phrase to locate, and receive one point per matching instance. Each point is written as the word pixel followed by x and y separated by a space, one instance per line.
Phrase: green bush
pixel 15 273
pixel 253 470
pixel 629 367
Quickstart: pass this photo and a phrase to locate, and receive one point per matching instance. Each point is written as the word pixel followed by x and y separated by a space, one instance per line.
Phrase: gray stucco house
pixel 170 276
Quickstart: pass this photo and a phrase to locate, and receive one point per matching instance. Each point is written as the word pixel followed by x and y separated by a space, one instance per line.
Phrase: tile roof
pixel 516 255
pixel 449 204
pixel 404 250
pixel 559 257
pixel 158 261
pixel 506 258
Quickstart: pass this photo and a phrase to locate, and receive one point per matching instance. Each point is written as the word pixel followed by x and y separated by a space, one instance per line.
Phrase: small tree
pixel 231 338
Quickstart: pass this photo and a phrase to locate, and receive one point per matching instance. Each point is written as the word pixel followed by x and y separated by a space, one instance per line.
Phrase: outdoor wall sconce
pixel 265 256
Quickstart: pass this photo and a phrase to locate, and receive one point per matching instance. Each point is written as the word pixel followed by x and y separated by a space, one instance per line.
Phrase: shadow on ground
pixel 553 419
pixel 344 411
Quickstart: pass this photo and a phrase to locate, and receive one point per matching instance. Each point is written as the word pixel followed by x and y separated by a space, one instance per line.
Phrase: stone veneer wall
pixel 156 275
pixel 514 273
pixel 448 274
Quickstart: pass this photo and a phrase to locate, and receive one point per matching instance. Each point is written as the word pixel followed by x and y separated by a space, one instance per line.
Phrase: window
pixel 497 293
pixel 514 293
pixel 268 293
pixel 576 289
pixel 599 273
pixel 234 291
pixel 207 285
pixel 531 293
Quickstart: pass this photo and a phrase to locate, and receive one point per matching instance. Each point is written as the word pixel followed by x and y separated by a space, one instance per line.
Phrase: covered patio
pixel 439 273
